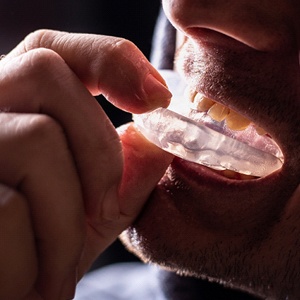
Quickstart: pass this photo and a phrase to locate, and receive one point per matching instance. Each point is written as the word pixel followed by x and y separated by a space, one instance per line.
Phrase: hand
pixel 69 186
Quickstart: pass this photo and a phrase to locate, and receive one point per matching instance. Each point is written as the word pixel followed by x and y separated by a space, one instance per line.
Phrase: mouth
pixel 231 185
pixel 203 131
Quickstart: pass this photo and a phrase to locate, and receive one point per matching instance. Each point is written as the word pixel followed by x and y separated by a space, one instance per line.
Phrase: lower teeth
pixel 215 147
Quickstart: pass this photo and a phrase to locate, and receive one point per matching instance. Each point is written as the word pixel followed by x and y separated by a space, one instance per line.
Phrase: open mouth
pixel 200 130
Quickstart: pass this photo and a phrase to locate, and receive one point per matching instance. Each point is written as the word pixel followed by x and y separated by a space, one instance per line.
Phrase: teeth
pixel 218 112
pixel 260 130
pixel 237 122
pixel 190 94
pixel 230 174
pixel 203 103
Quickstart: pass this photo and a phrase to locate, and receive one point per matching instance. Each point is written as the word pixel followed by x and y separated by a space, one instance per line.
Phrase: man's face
pixel 245 233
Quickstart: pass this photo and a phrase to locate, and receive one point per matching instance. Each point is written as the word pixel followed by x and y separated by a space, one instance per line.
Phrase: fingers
pixel 18 261
pixel 108 65
pixel 48 86
pixel 42 168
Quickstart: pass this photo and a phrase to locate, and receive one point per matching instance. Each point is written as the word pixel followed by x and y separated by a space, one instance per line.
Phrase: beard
pixel 259 259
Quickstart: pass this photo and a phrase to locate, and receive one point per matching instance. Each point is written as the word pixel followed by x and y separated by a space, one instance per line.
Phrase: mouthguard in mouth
pixel 205 132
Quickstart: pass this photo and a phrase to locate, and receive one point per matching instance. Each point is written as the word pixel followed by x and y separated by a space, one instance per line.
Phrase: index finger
pixel 112 66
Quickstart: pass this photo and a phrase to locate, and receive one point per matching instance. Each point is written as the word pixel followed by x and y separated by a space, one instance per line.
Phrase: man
pixel 243 234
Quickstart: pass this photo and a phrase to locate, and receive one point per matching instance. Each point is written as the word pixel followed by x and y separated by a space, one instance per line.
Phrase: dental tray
pixel 196 137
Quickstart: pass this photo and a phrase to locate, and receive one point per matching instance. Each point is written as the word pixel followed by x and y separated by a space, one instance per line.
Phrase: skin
pixel 56 144
pixel 244 234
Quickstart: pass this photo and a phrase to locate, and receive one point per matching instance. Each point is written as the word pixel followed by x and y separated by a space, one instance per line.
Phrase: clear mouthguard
pixel 196 137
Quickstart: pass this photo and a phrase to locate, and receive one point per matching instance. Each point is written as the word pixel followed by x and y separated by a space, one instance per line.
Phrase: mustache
pixel 259 85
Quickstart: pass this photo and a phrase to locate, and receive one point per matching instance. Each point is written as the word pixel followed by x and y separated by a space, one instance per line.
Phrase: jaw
pixel 221 236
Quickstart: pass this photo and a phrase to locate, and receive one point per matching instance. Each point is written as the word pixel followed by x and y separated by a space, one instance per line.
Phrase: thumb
pixel 144 165
pixel 112 66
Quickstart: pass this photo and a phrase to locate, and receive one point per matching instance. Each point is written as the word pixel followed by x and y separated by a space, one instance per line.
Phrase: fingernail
pixel 69 287
pixel 158 94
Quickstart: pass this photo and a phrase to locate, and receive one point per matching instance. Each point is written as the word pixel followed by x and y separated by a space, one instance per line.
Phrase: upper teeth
pixel 219 112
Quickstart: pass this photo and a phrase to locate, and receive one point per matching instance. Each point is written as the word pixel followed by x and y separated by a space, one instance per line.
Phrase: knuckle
pixel 36 39
pixel 31 136
pixel 121 46
pixel 42 130
pixel 42 63
pixel 11 203
pixel 124 61
pixel 115 49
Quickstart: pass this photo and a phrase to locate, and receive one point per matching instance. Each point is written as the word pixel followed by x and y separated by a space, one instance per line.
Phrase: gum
pixel 195 137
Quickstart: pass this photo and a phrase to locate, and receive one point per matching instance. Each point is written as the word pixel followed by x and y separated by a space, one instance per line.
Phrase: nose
pixel 263 27
pixel 190 13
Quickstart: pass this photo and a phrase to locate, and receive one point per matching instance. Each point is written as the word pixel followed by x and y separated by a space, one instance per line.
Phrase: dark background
pixel 131 19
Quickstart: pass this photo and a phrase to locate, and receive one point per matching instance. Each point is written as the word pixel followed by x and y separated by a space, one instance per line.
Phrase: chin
pixel 222 234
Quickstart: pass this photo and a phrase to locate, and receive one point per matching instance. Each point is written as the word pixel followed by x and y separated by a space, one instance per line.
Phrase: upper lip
pixel 206 36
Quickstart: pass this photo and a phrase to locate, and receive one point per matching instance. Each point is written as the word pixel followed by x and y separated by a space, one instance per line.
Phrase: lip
pixel 216 203
pixel 197 175
pixel 208 37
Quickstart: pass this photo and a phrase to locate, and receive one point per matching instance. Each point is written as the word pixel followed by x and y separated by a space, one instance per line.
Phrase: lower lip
pixel 210 200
